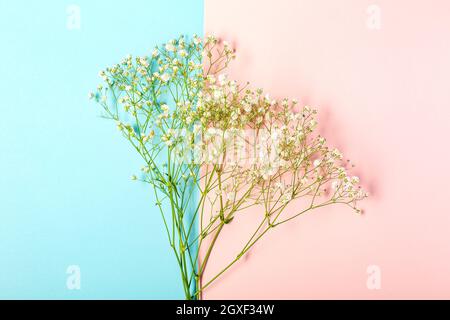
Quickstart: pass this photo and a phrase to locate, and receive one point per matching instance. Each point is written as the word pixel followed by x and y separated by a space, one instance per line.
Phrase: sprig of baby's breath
pixel 213 148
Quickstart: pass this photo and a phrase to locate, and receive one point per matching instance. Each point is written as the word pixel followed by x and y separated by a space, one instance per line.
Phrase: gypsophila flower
pixel 165 77
pixel 170 47
pixel 205 136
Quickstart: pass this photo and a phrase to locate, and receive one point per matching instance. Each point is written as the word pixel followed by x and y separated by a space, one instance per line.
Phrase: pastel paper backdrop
pixel 378 72
pixel 66 198
pixel 382 90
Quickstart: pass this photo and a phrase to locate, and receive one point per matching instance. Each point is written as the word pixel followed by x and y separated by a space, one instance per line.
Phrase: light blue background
pixel 66 197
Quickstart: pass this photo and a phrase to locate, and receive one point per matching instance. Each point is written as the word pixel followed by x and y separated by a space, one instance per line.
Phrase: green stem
pixel 205 261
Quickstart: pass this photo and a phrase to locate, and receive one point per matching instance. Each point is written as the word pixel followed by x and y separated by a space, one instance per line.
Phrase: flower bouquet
pixel 213 148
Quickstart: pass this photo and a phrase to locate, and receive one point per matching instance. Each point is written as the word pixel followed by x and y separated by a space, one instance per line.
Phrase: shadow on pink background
pixel 383 98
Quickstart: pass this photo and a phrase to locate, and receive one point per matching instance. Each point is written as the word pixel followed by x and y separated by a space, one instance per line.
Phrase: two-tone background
pixel 73 225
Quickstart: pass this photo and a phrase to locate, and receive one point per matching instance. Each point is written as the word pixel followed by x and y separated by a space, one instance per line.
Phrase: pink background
pixel 383 98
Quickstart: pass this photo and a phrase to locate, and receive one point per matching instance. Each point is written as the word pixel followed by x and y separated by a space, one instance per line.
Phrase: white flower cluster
pixel 283 159
pixel 205 137
pixel 179 98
